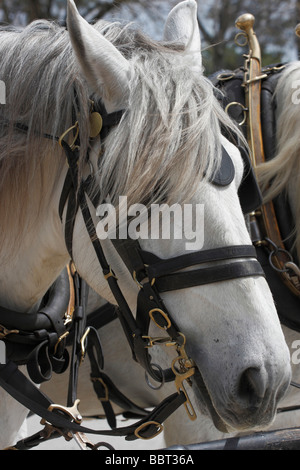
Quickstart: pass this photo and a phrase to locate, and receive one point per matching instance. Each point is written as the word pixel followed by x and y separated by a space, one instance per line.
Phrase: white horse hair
pixel 281 174
pixel 166 148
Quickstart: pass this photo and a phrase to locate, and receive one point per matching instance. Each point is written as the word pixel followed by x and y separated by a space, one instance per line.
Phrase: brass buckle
pixel 159 427
pixel 72 145
pixel 110 274
pixel 184 371
pixel 164 315
pixel 98 379
pixel 63 336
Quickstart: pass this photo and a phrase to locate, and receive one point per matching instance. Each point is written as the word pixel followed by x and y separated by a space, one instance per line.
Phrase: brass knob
pixel 297 30
pixel 245 22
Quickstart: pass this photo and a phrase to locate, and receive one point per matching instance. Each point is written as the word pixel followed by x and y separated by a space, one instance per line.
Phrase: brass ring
pixel 161 384
pixel 236 103
pixel 241 44
pixel 164 315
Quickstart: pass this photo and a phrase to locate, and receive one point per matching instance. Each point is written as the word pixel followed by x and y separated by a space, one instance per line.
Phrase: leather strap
pixel 162 267
pixel 20 388
pixel 37 340
pixel 211 275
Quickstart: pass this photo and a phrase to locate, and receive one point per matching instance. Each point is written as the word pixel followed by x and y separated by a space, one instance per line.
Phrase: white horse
pixel 169 137
pixel 282 174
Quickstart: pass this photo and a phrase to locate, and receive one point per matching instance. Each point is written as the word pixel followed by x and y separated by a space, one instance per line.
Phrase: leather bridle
pixel 153 277
pixel 152 274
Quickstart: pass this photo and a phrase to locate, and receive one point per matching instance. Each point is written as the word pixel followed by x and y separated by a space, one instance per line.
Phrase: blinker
pixel 249 191
pixel 225 174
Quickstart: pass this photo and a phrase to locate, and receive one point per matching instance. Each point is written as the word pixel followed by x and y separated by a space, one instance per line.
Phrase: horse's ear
pixel 182 27
pixel 105 68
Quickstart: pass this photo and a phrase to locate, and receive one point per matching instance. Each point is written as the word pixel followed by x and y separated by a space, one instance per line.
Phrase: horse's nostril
pixel 252 386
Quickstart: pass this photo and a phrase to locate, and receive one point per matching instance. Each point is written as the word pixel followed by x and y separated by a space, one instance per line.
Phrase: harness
pixel 284 281
pixel 153 277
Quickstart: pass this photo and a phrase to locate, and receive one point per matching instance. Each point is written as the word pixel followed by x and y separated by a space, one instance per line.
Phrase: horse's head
pixel 167 148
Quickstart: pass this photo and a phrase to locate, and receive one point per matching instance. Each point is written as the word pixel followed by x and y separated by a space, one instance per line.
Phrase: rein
pixel 153 277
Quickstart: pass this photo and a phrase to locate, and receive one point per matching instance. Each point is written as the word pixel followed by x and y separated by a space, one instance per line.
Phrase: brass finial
pixel 297 30
pixel 245 22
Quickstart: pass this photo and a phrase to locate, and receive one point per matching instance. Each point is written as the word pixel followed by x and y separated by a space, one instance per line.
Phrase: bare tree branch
pixel 275 21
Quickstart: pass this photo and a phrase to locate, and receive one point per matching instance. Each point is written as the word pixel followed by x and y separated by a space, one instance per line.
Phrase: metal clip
pixel 256 79
pixel 179 379
pixel 83 344
pixel 71 269
pixel 5 332
pixel 185 371
pixel 72 412
pixel 83 442
pixel 156 341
